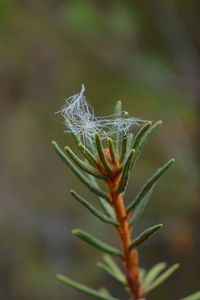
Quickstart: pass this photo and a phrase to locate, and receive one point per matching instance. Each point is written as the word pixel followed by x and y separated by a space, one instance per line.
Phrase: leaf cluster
pixel 104 160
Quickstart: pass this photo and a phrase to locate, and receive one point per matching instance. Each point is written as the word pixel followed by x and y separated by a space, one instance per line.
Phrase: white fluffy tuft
pixel 80 120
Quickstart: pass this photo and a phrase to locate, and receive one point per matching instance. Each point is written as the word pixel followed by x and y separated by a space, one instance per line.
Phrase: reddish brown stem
pixel 129 257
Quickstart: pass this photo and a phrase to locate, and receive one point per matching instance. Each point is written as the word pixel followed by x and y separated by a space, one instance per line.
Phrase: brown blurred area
pixel 146 53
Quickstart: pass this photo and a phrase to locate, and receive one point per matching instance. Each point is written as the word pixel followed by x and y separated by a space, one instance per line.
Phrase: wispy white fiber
pixel 80 120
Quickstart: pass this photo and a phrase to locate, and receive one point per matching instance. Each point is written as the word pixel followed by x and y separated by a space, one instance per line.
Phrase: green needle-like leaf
pixel 75 137
pixel 111 264
pixel 152 274
pixel 140 134
pixel 93 210
pixel 109 261
pixel 104 204
pixel 111 150
pixel 110 272
pixel 101 153
pixel 195 296
pixel 84 179
pixel 142 274
pixel 124 148
pixel 82 165
pixel 104 291
pixel 118 108
pixel 142 139
pixel 144 236
pixel 162 278
pixel 107 208
pixel 88 155
pixel 139 210
pixel 91 145
pixel 130 141
pixel 90 239
pixel 117 135
pixel 149 184
pixel 125 172
pixel 83 288
pixel 124 142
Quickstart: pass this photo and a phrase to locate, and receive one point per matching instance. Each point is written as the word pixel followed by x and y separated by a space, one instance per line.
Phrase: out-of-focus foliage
pixel 145 53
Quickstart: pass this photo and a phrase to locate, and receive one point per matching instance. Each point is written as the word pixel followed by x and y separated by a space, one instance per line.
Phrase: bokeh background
pixel 146 53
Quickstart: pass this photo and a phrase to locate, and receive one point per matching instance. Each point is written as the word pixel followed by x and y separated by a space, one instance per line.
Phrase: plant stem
pixel 129 256
pixel 130 259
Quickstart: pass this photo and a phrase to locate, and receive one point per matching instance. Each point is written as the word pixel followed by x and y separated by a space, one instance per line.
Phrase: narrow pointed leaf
pixel 104 291
pixel 93 210
pixel 88 155
pixel 140 134
pixel 195 296
pixel 83 288
pixel 93 241
pixel 149 184
pixel 124 148
pixel 116 134
pixel 75 137
pixel 144 236
pixel 143 138
pixel 91 145
pixel 104 204
pixel 107 208
pixel 118 108
pixel 130 141
pixel 82 165
pixel 142 274
pixel 139 210
pixel 111 150
pixel 101 153
pixel 83 178
pixel 125 172
pixel 110 272
pixel 162 278
pixel 111 264
pixel 152 274
pixel 124 141
pixel 109 261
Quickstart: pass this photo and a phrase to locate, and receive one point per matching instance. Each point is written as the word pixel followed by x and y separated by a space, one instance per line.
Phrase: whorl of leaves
pixel 107 143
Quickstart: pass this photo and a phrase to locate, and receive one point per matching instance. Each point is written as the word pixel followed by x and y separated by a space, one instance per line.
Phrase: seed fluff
pixel 80 120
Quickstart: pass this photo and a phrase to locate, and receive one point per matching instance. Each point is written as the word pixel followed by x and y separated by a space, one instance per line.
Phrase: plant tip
pixel 111 147
pixel 75 231
pixel 126 114
pixel 133 151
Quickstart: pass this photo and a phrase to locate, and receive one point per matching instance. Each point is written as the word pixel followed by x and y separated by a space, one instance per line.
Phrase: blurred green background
pixel 146 53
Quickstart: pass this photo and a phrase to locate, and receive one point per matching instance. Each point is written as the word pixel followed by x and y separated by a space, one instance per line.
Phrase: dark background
pixel 146 53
